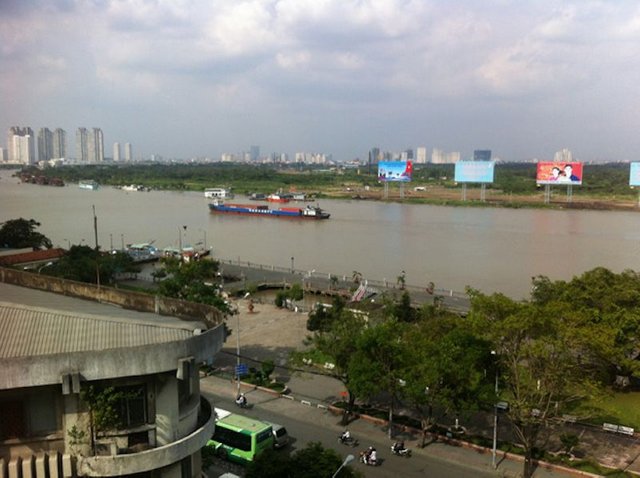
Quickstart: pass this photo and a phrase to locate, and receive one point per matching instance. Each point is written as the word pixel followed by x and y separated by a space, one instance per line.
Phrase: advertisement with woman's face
pixel 550 172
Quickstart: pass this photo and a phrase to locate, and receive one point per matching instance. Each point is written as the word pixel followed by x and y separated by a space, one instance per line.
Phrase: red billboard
pixel 551 172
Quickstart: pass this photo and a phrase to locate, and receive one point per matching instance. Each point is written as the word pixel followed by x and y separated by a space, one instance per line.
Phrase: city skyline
pixel 199 79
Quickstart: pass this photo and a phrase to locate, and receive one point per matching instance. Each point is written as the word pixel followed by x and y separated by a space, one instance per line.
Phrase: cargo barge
pixel 308 212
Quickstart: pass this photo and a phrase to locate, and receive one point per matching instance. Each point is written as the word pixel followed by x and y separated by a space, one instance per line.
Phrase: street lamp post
pixel 292 264
pixel 346 461
pixel 495 421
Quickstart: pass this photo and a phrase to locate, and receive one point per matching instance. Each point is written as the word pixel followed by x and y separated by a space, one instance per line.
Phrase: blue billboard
pixel 634 175
pixel 474 171
pixel 394 171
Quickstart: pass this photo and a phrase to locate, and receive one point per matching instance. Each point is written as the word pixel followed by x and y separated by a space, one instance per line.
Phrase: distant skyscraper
pixel 45 144
pixel 421 155
pixel 21 145
pixel 59 143
pixel 563 156
pixel 128 154
pixel 255 153
pixel 116 152
pixel 82 148
pixel 4 157
pixel 95 146
pixel 440 157
pixel 482 155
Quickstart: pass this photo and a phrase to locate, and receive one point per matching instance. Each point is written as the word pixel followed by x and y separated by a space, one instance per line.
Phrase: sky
pixel 197 78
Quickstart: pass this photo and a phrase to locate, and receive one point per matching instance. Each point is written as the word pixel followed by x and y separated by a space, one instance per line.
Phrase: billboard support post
pixel 569 193
pixel 464 191
pixel 547 193
pixel 401 190
pixel 483 189
pixel 386 191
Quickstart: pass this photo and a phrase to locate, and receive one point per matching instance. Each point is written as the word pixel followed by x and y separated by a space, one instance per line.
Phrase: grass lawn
pixel 620 409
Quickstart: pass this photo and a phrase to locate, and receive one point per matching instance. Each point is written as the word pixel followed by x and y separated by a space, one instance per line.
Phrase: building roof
pixel 31 256
pixel 34 331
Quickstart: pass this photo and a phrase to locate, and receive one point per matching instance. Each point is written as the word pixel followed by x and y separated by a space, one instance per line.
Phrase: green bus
pixel 239 438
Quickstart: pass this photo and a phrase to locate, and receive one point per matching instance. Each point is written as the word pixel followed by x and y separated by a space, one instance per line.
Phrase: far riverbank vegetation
pixel 604 185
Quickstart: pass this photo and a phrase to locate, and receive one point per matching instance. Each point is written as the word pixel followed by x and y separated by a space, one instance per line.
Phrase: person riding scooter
pixel 241 400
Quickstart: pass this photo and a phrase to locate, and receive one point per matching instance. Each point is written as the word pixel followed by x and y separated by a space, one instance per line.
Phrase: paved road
pixel 306 422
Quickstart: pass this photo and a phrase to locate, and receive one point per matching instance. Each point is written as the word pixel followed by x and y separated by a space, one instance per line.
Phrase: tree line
pixel 572 343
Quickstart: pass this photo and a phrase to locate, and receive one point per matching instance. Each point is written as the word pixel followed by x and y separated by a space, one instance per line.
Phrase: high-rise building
pixel 59 143
pixel 254 153
pixel 21 145
pixel 421 155
pixel 3 155
pixel 128 154
pixel 482 155
pixel 564 156
pixel 45 144
pixel 95 146
pixel 82 139
pixel 116 152
pixel 441 157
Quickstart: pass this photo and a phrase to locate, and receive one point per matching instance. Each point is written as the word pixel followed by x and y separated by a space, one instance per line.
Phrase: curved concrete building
pixel 112 392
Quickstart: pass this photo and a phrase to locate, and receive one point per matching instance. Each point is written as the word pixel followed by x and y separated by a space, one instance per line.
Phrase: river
pixel 490 249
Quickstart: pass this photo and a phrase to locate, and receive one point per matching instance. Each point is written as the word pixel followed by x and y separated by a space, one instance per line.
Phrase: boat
pixel 308 212
pixel 221 193
pixel 279 197
pixel 144 252
pixel 88 184
pixel 258 197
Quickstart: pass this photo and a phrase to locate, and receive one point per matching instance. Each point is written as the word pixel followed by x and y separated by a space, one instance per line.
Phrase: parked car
pixel 280 435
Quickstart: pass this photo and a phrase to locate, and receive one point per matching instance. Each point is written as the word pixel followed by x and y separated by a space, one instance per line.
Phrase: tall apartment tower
pixel 45 144
pixel 421 155
pixel 128 154
pixel 21 145
pixel 254 152
pixel 116 152
pixel 59 143
pixel 564 156
pixel 482 155
pixel 82 150
pixel 95 146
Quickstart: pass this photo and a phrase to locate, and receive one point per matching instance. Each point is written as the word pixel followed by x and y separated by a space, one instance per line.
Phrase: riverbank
pixel 443 196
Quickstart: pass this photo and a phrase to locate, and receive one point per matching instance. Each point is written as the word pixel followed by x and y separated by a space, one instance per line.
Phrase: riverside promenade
pixel 248 274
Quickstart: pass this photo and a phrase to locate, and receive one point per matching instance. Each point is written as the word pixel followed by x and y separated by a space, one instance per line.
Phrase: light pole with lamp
pixel 495 417
pixel 238 344
pixel 292 264
pixel 346 461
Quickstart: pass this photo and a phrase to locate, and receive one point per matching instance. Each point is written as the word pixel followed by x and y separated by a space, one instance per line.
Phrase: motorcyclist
pixel 241 400
pixel 345 437
pixel 398 446
pixel 372 458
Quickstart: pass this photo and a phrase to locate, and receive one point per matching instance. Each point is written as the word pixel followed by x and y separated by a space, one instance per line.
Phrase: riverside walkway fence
pixel 252 272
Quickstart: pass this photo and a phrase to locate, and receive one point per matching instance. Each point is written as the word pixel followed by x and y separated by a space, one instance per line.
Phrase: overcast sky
pixel 186 78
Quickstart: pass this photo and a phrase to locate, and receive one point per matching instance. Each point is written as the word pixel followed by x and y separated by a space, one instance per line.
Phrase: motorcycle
pixel 242 403
pixel 352 442
pixel 401 451
pixel 364 458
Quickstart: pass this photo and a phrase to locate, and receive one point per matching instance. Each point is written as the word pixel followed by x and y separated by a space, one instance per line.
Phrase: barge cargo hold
pixel 308 212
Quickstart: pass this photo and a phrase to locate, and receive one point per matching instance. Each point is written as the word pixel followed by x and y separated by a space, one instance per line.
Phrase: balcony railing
pixel 154 458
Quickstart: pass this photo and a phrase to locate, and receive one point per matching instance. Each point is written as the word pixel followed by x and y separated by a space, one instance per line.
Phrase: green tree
pixel 312 461
pixel 447 369
pixel 376 366
pixel 194 281
pixel 607 316
pixel 544 365
pixel 85 264
pixel 337 338
pixel 21 233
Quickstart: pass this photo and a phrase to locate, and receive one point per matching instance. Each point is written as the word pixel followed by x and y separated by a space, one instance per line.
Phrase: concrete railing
pixel 138 301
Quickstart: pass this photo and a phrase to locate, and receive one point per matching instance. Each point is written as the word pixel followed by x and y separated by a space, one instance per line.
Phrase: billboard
pixel 474 171
pixel 551 172
pixel 395 171
pixel 634 175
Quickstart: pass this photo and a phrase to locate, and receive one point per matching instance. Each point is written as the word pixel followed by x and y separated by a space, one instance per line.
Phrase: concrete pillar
pixel 76 415
pixel 167 410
